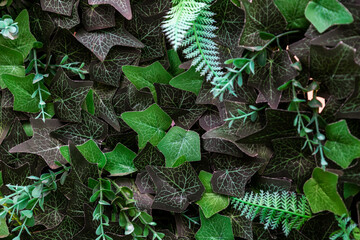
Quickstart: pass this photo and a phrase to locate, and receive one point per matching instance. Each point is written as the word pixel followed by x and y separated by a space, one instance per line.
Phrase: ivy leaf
pixel 149 124
pixel 17 176
pixel 210 120
pixel 321 192
pixel 119 162
pixel 211 203
pixel 109 71
pixel 11 63
pixel 55 206
pixel 16 136
pixel 90 128
pixel 261 16
pixel 41 24
pixel 291 160
pixel 189 81
pixel 149 155
pixel 352 174
pixel 4 231
pixel 231 180
pixel 78 197
pixel 150 8
pixel 143 77
pixel 66 230
pixel 150 34
pixel 25 40
pixel 101 41
pixel 98 17
pixel 68 22
pixel 179 104
pixel 177 143
pixel 64 44
pixel 268 78
pixel 230 21
pixel 63 7
pixel 242 227
pixel 23 88
pixel 70 94
pixel 41 143
pixel 293 12
pixel 175 187
pixel 122 6
pixel 341 147
pixel 326 13
pixel 215 228
pixel 174 62
pixel 104 109
pixel 279 124
pixel 339 70
pixel 6 119
pixel 350 109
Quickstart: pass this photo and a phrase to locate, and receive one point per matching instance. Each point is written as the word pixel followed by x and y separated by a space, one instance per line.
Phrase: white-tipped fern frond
pixel 274 209
pixel 180 19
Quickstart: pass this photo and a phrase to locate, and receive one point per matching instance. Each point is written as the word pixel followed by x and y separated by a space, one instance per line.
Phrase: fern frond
pixel 274 209
pixel 180 19
pixel 201 47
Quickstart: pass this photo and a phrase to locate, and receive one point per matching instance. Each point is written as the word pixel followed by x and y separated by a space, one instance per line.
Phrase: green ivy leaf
pixel 70 94
pixel 215 228
pixel 189 81
pixel 321 192
pixel 179 142
pixel 175 187
pixel 119 162
pixel 11 62
pixel 23 88
pixel 211 203
pixel 92 153
pixel 25 40
pixel 143 77
pixel 341 147
pixel 149 124
pixel 293 12
pixel 326 13
pixel 174 62
pixel 4 231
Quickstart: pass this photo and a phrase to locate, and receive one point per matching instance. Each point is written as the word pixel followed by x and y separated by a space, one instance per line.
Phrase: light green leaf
pixel 143 77
pixel 11 62
pixel 341 147
pixel 180 142
pixel 149 124
pixel 22 88
pixel 119 162
pixel 321 192
pixel 211 202
pixel 217 227
pixel 175 62
pixel 25 40
pixel 4 231
pixel 293 11
pixel 189 81
pixel 326 13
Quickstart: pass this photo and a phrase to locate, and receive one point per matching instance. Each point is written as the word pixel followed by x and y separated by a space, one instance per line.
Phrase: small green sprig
pixel 347 229
pixel 245 64
pixel 8 28
pixel 26 199
pixel 75 67
pixel 120 199
pixel 243 115
pixel 314 137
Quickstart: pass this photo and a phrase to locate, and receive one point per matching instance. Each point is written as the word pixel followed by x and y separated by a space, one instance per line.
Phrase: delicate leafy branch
pixel 235 74
pixel 274 209
pixel 26 199
pixel 347 228
pixel 243 115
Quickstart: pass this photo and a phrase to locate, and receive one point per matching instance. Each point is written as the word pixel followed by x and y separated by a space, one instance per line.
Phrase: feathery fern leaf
pixel 189 24
pixel 274 209
pixel 180 19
